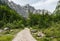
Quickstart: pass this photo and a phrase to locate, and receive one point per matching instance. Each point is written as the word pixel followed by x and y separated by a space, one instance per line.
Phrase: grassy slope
pixel 53 31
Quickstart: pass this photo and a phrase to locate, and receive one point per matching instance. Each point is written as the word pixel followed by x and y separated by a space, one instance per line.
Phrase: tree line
pixel 9 17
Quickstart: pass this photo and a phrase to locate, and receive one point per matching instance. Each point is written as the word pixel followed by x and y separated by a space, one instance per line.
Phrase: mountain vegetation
pixel 8 16
pixel 49 24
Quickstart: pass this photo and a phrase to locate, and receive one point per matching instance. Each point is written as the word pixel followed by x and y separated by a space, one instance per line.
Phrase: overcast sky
pixel 49 5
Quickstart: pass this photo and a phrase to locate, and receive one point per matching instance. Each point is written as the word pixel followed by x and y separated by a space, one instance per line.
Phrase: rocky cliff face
pixel 18 9
pixel 43 11
pixel 29 8
pixel 24 10
pixel 15 7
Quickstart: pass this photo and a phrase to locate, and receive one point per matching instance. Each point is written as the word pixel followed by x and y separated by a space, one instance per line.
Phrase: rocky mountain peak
pixel 27 5
pixel 23 10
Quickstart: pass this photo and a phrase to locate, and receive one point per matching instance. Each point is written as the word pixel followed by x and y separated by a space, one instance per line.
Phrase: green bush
pixel 9 25
pixel 1 24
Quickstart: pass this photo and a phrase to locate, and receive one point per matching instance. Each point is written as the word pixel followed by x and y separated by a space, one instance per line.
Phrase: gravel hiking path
pixel 24 35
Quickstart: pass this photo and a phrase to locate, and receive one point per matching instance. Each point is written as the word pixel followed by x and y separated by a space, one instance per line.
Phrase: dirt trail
pixel 24 35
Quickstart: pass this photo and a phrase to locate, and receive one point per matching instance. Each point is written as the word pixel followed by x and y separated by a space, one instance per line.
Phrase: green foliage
pixel 43 20
pixel 53 31
pixel 8 16
pixel 48 24
pixel 1 24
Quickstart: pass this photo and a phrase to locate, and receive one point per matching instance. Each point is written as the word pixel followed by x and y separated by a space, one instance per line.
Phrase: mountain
pixel 15 7
pixel 29 8
pixel 24 10
pixel 57 10
pixel 18 9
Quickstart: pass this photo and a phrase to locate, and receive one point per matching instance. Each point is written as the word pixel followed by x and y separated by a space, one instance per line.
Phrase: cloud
pixel 39 4
pixel 24 2
pixel 47 4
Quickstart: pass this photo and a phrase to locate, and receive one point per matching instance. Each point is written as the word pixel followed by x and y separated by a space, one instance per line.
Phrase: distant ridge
pixel 18 9
pixel 24 10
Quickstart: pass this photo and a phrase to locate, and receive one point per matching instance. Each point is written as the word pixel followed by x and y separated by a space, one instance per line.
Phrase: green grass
pixel 10 36
pixel 6 38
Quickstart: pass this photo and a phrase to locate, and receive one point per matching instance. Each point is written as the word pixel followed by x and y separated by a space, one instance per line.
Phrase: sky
pixel 49 5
